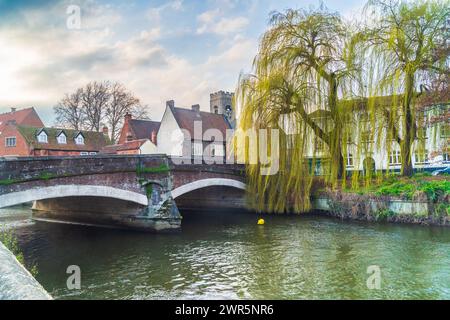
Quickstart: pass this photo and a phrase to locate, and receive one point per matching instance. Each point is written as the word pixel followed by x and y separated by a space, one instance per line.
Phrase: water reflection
pixel 229 256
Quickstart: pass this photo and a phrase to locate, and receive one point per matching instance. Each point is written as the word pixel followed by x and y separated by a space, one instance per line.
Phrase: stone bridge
pixel 137 191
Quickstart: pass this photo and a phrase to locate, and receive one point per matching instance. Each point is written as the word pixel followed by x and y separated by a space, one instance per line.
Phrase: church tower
pixel 222 103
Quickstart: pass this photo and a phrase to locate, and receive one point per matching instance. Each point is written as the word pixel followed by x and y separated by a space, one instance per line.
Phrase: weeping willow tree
pixel 306 65
pixel 406 41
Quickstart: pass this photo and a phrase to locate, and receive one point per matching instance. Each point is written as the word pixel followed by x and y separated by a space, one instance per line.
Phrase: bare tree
pixel 122 102
pixel 69 112
pixel 95 101
pixel 98 104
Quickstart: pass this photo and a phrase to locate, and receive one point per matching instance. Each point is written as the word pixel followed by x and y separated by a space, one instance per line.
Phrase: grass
pixel 407 188
pixel 435 188
pixel 163 168
pixel 8 238
pixel 7 182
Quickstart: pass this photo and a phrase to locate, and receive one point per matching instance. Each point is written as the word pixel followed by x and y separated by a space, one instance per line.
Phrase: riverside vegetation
pixel 9 240
pixel 348 203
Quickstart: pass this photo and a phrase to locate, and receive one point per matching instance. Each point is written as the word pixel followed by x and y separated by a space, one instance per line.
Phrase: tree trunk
pixel 407 168
pixel 409 126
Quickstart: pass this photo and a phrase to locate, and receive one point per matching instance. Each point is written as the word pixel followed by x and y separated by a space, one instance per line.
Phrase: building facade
pixel 182 132
pixel 22 133
pixel 368 145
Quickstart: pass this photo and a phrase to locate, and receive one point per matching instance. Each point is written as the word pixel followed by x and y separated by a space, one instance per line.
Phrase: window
pixel 218 150
pixel 79 139
pixel 446 157
pixel 197 148
pixel 395 158
pixel 349 160
pixel 62 138
pixel 318 144
pixel 84 153
pixel 10 142
pixel 92 153
pixel 228 111
pixel 445 130
pixel 42 137
pixel 421 157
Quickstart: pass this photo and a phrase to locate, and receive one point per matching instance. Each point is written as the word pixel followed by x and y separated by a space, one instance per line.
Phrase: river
pixel 229 256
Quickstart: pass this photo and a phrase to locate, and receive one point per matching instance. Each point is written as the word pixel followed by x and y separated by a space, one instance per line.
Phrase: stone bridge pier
pixel 137 192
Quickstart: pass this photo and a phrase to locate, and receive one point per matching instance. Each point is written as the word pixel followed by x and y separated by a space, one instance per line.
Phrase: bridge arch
pixel 41 193
pixel 206 183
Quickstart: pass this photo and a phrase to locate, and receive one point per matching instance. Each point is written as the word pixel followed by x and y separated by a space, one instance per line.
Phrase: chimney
pixel 127 117
pixel 196 107
pixel 105 130
pixel 13 109
pixel 153 137
pixel 170 103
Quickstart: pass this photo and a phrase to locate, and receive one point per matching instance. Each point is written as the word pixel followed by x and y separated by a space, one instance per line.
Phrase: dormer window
pixel 79 139
pixel 42 137
pixel 62 139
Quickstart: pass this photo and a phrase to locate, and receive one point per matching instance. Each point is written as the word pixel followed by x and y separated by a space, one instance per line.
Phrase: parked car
pixel 441 171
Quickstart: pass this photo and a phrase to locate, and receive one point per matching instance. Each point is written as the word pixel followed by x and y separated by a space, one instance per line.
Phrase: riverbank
pixel 422 199
pixel 16 282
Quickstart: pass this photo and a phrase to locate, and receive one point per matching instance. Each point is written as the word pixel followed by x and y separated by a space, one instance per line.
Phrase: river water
pixel 228 256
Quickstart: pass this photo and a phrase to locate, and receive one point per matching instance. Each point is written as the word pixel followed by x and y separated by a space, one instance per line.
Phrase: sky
pixel 160 50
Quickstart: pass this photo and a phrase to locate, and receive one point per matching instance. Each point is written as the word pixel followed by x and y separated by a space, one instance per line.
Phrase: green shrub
pixel 9 240
pixel 441 210
pixel 384 214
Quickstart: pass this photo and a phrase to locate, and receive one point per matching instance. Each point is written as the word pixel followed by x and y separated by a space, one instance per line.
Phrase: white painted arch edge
pixel 15 198
pixel 206 183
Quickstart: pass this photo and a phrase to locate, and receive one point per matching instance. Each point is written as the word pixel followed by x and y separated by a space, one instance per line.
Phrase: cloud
pixel 154 13
pixel 41 59
pixel 212 22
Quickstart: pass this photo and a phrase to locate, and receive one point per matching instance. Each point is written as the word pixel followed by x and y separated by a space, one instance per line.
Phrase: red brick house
pixel 141 146
pixel 134 129
pixel 22 133
pixel 26 117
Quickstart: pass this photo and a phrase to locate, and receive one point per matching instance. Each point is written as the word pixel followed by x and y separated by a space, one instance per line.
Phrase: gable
pixel 186 118
pixel 27 117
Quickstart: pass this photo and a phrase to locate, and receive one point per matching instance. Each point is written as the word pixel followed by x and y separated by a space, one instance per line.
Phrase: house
pixel 134 129
pixel 191 132
pixel 368 145
pixel 26 117
pixel 181 132
pixel 20 140
pixel 140 146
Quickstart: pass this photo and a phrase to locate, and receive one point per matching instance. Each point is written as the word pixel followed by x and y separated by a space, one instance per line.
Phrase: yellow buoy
pixel 261 221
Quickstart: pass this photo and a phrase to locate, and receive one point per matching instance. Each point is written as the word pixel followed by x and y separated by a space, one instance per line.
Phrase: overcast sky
pixel 160 50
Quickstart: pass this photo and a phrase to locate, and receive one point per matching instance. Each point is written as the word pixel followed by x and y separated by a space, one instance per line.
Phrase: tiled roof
pixel 186 117
pixel 129 145
pixel 142 129
pixel 93 141
pixel 27 117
